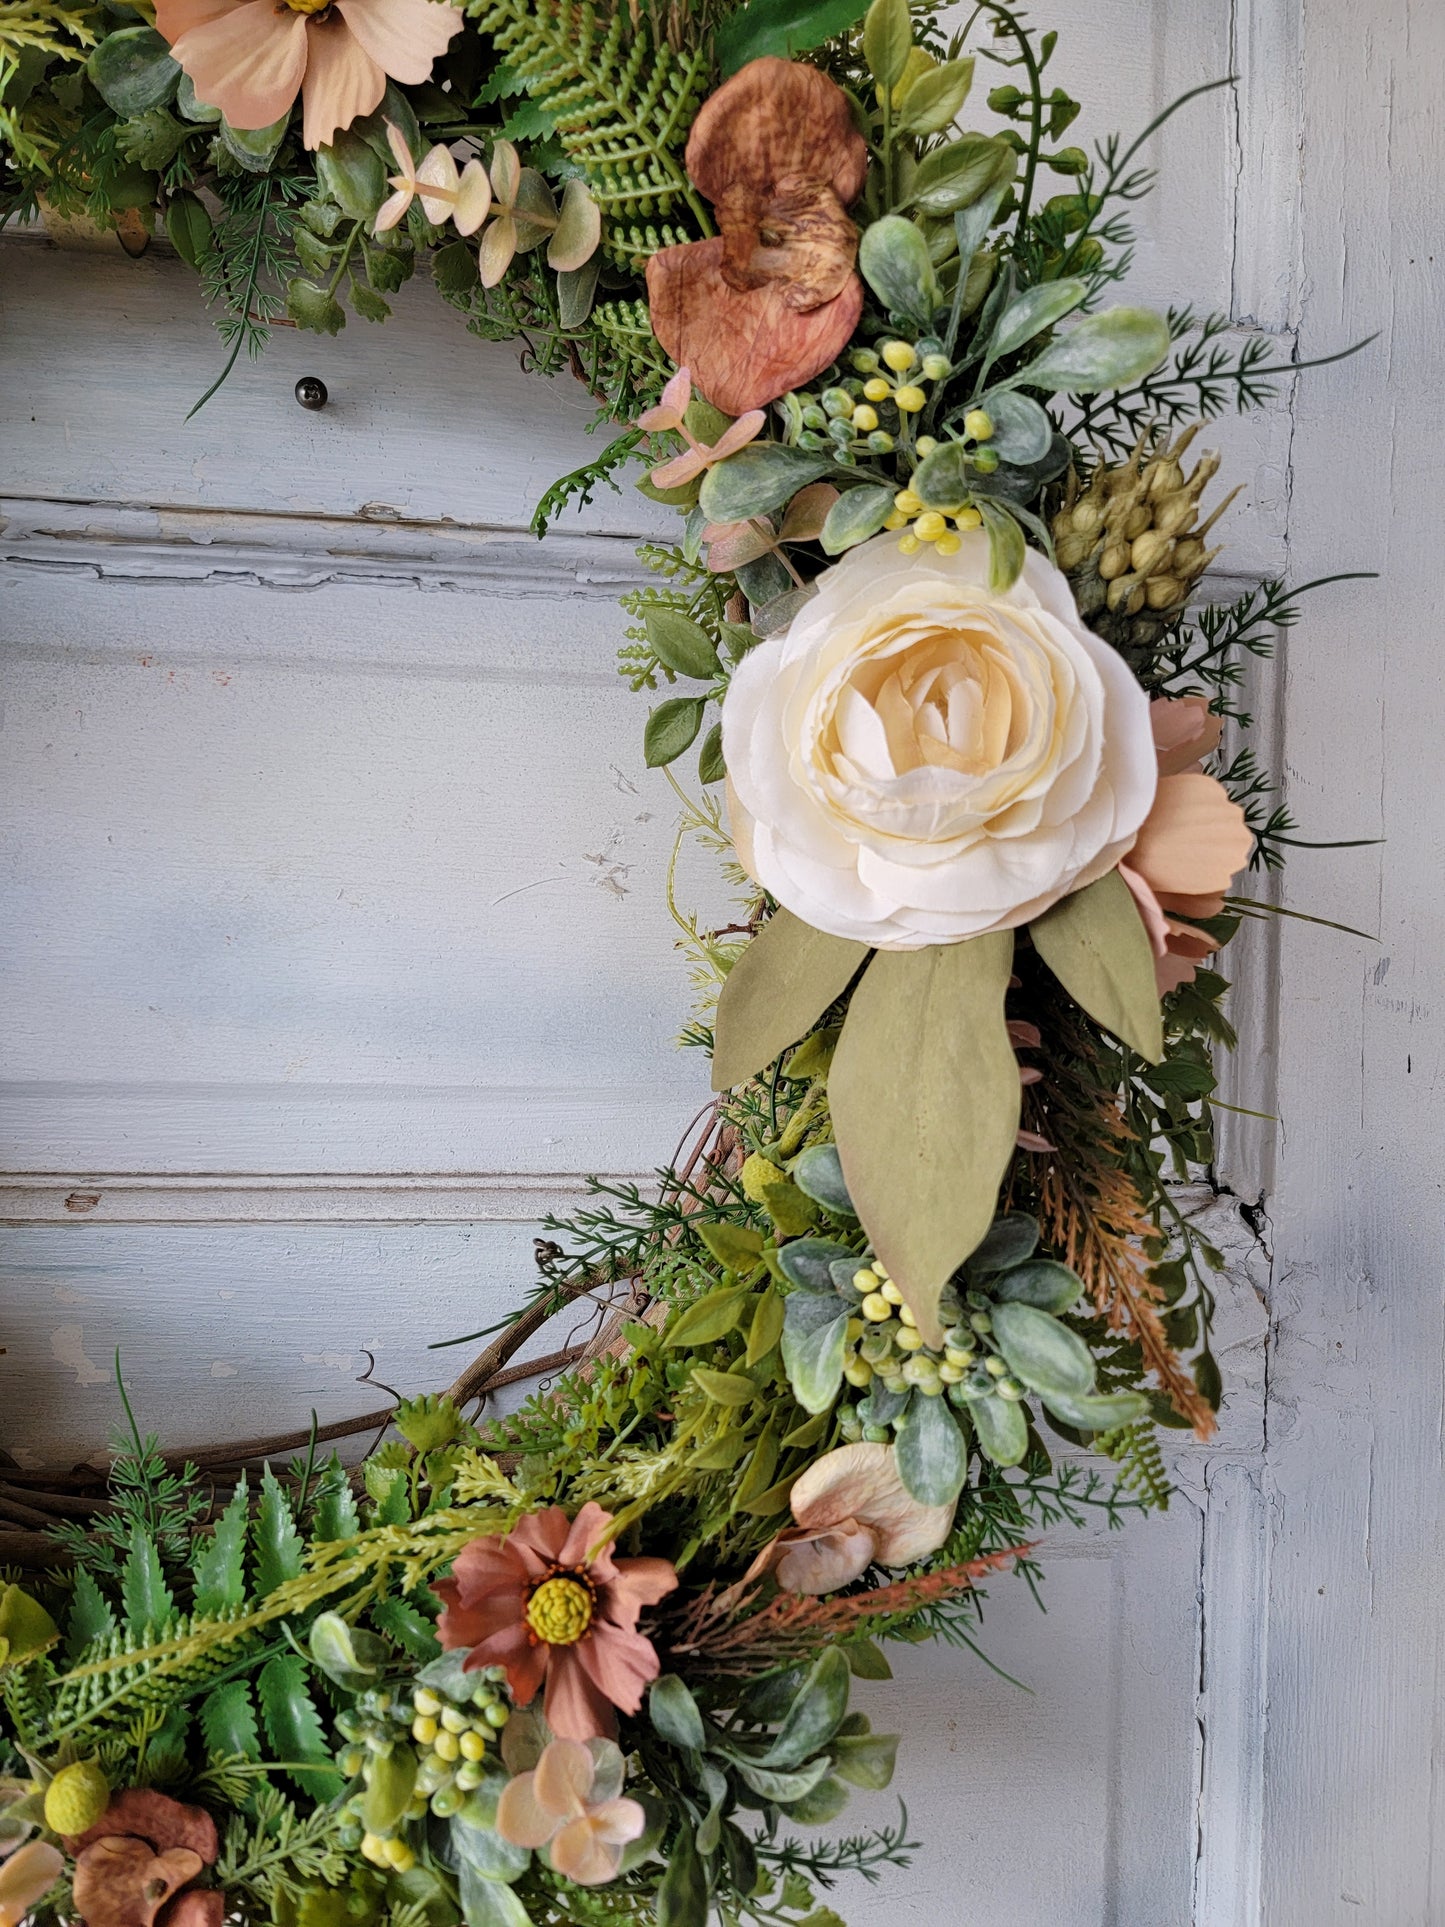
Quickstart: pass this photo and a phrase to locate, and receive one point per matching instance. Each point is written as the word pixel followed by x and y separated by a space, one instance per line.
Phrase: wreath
pixel 941 569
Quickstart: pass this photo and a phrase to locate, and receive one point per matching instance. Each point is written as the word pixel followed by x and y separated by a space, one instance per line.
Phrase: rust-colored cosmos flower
pixel 774 298
pixel 541 1604
pixel 133 1868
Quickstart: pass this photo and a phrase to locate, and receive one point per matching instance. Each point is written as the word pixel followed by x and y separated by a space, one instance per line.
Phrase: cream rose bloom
pixel 918 760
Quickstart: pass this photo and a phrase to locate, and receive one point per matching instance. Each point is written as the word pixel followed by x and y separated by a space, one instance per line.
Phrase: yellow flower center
pixel 305 6
pixel 560 1611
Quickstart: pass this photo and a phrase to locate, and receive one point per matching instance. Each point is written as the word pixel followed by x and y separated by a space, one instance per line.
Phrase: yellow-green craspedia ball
pixel 76 1798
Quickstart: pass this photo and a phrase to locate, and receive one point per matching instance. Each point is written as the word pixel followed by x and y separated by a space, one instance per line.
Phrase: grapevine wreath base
pixel 980 773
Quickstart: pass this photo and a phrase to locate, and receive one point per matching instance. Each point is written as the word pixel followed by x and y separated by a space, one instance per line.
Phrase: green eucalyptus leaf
pixel 818 1174
pixel 1007 549
pixel 1095 943
pixel 487 1902
pixel 931 1455
pixel 1046 1355
pixel 1092 1411
pixel 680 644
pixel 808 1263
pixel 368 303
pixel 1044 1283
pixel 1012 1237
pixel 924 1093
pixel 776 991
pixel 815 1336
pixel 1108 350
pixel 815 1714
pixel 893 259
pixel 132 71
pixel 774 1784
pixel 1001 1428
pixel 867 1759
pixel 672 728
pixel 782 27
pixel 1033 311
pixel 857 514
pixel 673 1712
pixel 936 98
pixel 1022 431
pixel 887 41
pixel 759 478
pixel 962 175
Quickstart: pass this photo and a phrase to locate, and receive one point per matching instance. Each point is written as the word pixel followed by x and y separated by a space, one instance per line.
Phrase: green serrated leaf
pixel 221 1566
pixel 411 1629
pixel 311 307
pixel 368 303
pixel 293 1726
pixel 776 991
pixel 924 1092
pixel 145 1596
pixel 90 1616
pixel 228 1722
pixel 352 173
pixel 275 1542
pixel 335 1515
pixel 1095 943
pixel 672 728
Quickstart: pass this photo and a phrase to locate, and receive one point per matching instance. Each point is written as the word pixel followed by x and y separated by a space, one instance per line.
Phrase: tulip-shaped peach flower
pixel 1192 842
pixel 571 1804
pixel 852 1511
pixel 26 1877
pixel 250 58
pixel 546 1606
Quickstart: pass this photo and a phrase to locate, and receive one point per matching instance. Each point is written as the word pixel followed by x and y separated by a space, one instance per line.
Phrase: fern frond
pixel 1135 1450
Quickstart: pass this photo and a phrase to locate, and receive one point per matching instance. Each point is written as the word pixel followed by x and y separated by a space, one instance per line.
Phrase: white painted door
pixel 335 952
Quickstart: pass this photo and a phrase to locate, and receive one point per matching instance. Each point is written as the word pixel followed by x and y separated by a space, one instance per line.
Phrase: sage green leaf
pixel 814 1055
pixel 1031 312
pixel 352 174
pixel 221 1565
pixel 189 227
pixel 1046 1355
pixel 489 1903
pixel 1044 1283
pixel 808 1263
pixel 293 1726
pixel 132 71
pixel 815 1336
pixel 390 1784
pixel 312 308
pixel 826 1801
pixel 857 514
pixel 682 1893
pixel 758 479
pixel 943 479
pixel 776 991
pixel 1093 1411
pixel 143 1590
pixel 673 1712
pixel 1022 431
pixel 715 1784
pixel 868 1759
pixel 887 41
pixel 782 27
pixel 774 1784
pixel 924 1092
pixel 1108 350
pixel 758 1477
pixel 576 292
pixel 767 1327
pixel 190 108
pixel 681 644
pixel 1012 1237
pixel 737 1246
pixel 931 1455
pixel 711 1318
pixel 275 1541
pixel 815 1714
pixel 725 1388
pixel 1007 549
pixel 254 148
pixel 1095 943
pixel 809 1432
pixel 368 303
pixel 936 98
pixel 866 1659
pixel 1002 1429
pixel 90 1617
pixel 818 1174
pixel 672 728
pixel 962 174
pixel 228 1722
pixel 711 767
pixel 893 259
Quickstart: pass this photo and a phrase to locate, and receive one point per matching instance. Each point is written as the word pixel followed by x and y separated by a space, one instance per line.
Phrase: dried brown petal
pixel 119 1882
pixel 197 1907
pixel 158 1819
pixel 798 236
pixel 777 121
pixel 744 349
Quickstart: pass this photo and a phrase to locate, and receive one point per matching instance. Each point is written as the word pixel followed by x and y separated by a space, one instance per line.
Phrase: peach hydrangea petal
pixel 823 1561
pixel 342 81
pixel 1194 839
pixel 673 406
pixel 248 62
pixel 563 1778
pixel 862 1483
pixel 403 37
pixel 579 1853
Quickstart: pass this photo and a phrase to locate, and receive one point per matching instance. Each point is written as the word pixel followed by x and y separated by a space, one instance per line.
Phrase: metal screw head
pixel 311 392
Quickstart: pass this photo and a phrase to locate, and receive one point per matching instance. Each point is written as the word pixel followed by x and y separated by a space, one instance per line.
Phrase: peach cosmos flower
pixel 250 58
pixel 26 1877
pixel 670 416
pixel 541 1603
pixel 852 1510
pixel 445 194
pixel 571 1804
pixel 1192 842
pixel 773 298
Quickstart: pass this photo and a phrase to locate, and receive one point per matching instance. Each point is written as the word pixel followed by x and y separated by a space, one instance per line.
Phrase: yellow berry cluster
pixel 941 526
pixel 895 370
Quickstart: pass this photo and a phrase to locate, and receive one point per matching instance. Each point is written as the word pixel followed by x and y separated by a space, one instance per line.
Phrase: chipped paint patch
pixel 67 1346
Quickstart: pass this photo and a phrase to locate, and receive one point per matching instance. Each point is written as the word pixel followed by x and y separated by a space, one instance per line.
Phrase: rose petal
pixel 1184 731
pixel 521 1816
pixel 564 1778
pixel 248 61
pixel 579 1853
pixel 342 81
